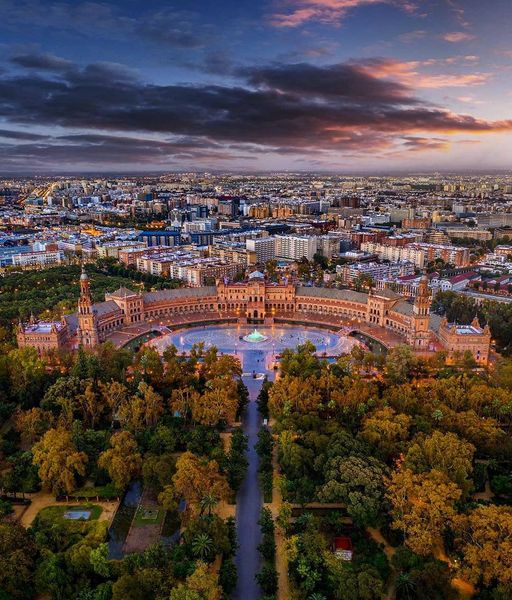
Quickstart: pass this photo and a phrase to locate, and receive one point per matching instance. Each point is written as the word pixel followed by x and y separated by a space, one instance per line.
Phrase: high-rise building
pixel 296 247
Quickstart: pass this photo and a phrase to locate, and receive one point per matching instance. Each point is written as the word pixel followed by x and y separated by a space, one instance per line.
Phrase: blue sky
pixel 338 85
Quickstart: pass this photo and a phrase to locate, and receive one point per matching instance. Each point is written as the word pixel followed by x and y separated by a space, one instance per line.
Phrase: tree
pixel 114 395
pixel 58 460
pixel 99 560
pixel 202 546
pixel 196 478
pixel 294 395
pixel 141 411
pixel 357 482
pixel 422 506
pixel 32 424
pixel 219 403
pixel 484 539
pixel 91 405
pixel 399 363
pixel 386 430
pixel 122 460
pixel 27 375
pixel 444 452
pixel 203 584
pixel 18 555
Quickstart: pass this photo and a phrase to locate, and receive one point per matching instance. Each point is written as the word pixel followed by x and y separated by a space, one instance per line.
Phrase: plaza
pixel 256 355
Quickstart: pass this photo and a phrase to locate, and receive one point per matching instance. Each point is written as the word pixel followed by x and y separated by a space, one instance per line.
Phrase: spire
pixel 475 322
pixel 84 276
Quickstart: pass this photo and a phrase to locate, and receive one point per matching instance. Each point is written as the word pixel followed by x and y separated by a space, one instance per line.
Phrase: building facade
pixel 256 300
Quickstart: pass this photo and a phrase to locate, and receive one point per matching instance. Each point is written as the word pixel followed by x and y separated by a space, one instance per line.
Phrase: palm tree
pixel 405 587
pixel 208 503
pixel 202 546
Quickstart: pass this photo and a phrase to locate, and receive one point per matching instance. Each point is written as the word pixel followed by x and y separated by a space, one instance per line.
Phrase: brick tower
pixel 87 326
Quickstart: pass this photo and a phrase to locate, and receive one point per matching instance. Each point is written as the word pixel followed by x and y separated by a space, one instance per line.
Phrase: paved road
pixel 248 505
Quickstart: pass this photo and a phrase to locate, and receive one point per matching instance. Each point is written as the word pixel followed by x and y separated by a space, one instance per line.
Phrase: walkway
pixel 248 505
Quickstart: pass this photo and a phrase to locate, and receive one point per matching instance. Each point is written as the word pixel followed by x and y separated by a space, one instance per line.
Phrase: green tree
pixel 18 555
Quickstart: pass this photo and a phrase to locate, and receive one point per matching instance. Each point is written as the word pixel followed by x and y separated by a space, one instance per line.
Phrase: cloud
pixel 327 11
pixel 409 73
pixel 167 27
pixel 457 36
pixel 412 36
pixel 113 116
pixel 42 62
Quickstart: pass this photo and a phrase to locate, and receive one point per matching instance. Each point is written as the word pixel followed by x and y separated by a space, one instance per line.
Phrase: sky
pixel 343 86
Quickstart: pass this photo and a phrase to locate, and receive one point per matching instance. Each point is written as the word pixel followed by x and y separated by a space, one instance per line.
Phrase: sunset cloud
pixel 327 11
pixel 409 72
pixel 457 36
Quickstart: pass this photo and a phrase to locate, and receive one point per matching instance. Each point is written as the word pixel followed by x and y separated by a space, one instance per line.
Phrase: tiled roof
pixel 105 308
pixel 404 308
pixel 161 295
pixel 348 295
pixel 122 292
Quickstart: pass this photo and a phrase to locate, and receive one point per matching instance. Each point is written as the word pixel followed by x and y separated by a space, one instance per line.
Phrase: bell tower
pixel 421 315
pixel 87 327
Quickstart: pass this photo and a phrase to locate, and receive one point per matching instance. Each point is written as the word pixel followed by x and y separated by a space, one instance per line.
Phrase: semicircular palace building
pixel 384 315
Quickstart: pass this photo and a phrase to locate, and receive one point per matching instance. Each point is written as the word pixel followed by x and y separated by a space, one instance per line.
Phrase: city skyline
pixel 300 85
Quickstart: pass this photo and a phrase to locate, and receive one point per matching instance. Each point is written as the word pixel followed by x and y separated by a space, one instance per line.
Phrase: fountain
pixel 255 337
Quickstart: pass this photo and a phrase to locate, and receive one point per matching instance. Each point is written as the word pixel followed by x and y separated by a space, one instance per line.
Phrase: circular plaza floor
pixel 256 355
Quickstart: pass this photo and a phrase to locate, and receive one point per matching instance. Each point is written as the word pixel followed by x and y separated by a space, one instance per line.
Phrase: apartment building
pixel 296 247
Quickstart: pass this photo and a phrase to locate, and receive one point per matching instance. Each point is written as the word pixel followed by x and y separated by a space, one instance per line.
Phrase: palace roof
pixel 161 295
pixel 348 295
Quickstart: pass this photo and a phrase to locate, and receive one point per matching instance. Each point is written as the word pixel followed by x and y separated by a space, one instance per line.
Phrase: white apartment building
pixel 295 247
pixel 396 253
pixel 376 271
pixel 264 248
pixel 38 259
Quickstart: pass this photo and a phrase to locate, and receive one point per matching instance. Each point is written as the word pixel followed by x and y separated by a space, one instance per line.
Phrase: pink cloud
pixel 457 36
pixel 327 11
pixel 408 73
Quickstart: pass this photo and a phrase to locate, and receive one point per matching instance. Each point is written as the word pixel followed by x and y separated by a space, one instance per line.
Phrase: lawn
pixel 56 513
pixel 148 515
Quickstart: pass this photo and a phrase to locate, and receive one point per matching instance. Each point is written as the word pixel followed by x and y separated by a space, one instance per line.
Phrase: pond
pixel 123 519
pixel 76 515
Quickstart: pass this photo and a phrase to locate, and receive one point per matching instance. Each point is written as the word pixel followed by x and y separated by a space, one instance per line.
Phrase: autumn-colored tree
pixel 114 395
pixel 141 411
pixel 59 461
pixel 422 506
pixel 122 460
pixel 294 395
pixel 92 405
pixel 153 405
pixel 223 366
pixel 195 478
pixel 182 401
pixel 203 584
pixel 386 430
pixel 484 538
pixel 32 424
pixel 444 452
pixel 218 404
